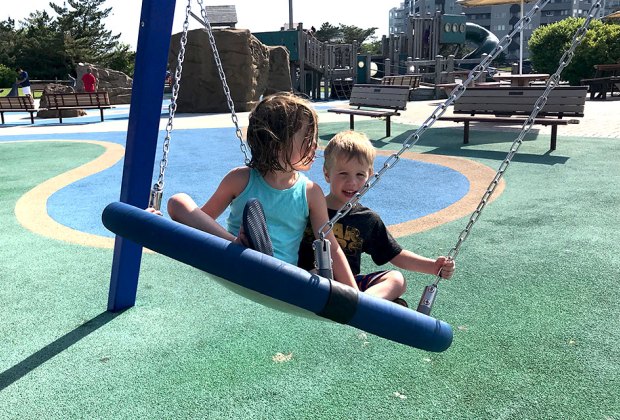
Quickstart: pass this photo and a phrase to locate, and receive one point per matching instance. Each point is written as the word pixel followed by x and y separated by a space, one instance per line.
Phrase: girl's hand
pixel 446 265
pixel 152 210
pixel 242 239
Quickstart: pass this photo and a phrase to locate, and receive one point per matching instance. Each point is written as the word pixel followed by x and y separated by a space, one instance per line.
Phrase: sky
pixel 255 15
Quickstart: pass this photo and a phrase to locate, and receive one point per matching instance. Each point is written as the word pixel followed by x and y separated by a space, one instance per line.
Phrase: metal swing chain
pixel 321 246
pixel 430 292
pixel 413 138
pixel 220 69
pixel 553 81
pixel 158 189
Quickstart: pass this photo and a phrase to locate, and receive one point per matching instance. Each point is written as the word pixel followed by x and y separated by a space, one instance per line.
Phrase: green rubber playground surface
pixel 535 307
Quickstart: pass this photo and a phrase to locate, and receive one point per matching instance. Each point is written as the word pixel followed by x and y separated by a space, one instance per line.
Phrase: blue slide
pixel 484 39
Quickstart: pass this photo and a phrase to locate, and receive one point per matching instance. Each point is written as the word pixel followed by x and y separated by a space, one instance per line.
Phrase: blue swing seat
pixel 276 283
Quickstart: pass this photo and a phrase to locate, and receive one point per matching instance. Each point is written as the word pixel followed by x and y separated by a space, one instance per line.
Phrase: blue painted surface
pixel 200 158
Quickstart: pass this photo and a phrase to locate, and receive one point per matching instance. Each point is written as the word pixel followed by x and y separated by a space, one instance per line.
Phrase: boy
pixel 349 159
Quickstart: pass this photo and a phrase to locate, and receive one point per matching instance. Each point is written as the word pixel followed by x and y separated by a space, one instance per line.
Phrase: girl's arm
pixel 318 217
pixel 183 209
pixel 230 187
pixel 408 260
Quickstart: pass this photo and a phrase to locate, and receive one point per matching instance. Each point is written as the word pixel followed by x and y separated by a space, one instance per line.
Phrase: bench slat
pixel 78 100
pixel 384 100
pixel 562 102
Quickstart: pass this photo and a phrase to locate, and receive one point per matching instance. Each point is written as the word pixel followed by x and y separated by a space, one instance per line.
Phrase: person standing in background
pixel 89 81
pixel 23 81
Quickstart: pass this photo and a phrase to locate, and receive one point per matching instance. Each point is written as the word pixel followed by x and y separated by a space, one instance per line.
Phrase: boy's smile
pixel 345 177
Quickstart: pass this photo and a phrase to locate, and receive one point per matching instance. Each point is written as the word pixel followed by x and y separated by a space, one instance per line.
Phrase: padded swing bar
pixel 276 279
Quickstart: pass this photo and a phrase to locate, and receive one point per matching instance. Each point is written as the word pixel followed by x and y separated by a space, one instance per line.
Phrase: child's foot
pixel 255 227
pixel 401 302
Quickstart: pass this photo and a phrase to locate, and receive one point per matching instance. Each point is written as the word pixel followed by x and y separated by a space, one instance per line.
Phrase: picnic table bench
pixel 17 104
pixel 606 79
pixel 376 101
pixel 78 100
pixel 512 105
pixel 410 80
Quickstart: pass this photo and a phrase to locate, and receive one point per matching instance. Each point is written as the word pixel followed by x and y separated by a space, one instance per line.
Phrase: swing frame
pixel 154 36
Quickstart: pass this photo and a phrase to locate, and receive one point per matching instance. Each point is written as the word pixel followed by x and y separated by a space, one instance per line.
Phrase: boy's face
pixel 345 177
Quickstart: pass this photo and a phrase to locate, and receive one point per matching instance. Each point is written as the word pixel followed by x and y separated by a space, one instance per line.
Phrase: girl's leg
pixel 183 209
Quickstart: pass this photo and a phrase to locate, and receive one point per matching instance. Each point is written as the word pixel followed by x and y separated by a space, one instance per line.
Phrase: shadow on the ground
pixel 449 141
pixel 56 347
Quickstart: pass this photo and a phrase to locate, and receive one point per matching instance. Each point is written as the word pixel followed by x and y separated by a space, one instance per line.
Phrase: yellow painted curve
pixel 31 208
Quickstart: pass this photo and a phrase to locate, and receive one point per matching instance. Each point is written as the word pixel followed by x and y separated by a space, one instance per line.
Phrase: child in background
pixel 349 159
pixel 282 136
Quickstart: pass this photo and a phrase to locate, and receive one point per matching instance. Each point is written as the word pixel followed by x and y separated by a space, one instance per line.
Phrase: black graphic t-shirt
pixel 360 231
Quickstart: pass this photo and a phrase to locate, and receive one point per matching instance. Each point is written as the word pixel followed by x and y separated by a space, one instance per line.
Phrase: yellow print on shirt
pixel 349 239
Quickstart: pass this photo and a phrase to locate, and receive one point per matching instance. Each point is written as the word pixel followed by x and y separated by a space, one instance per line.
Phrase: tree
pixel 354 33
pixel 8 43
pixel 600 45
pixel 41 48
pixel 345 34
pixel 329 33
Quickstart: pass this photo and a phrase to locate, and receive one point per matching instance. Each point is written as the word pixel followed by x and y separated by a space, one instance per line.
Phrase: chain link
pixel 410 141
pixel 220 70
pixel 552 82
pixel 158 188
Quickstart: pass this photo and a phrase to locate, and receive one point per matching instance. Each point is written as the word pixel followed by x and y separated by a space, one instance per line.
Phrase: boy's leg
pixel 388 285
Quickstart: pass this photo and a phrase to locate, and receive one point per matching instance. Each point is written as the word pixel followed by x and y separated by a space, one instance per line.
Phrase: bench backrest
pixel 607 70
pixel 380 96
pixel 411 80
pixel 85 99
pixel 562 101
pixel 17 102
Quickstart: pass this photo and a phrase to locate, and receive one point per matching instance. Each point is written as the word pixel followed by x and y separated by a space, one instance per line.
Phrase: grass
pixel 5 91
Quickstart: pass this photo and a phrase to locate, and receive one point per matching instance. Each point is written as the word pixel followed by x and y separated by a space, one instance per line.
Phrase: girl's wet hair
pixel 273 124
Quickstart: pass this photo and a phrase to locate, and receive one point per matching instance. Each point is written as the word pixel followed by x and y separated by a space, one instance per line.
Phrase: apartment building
pixel 498 19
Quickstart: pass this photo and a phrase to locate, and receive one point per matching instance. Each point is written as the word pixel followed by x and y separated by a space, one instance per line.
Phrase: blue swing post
pixel 146 98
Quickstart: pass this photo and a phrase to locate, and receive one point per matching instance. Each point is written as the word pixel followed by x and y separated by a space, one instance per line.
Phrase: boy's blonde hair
pixel 348 145
pixel 273 124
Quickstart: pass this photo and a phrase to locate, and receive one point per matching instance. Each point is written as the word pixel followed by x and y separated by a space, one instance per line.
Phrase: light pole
pixel 290 15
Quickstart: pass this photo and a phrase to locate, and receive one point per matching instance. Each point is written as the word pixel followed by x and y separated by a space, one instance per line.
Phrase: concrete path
pixel 601 120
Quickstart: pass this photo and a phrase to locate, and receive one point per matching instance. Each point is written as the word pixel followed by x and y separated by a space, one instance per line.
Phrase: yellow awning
pixel 479 3
pixel 614 15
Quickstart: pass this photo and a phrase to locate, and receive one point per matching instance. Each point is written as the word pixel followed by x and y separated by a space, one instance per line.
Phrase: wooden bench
pixel 504 102
pixel 377 101
pixel 410 80
pixel 606 79
pixel 78 100
pixel 17 104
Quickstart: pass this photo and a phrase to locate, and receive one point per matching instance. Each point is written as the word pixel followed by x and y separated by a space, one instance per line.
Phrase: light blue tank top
pixel 286 212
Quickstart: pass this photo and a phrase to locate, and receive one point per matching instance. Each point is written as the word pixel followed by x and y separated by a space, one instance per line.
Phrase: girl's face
pixel 299 159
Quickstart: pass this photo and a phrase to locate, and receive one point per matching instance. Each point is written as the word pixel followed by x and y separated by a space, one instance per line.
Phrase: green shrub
pixel 7 76
pixel 601 45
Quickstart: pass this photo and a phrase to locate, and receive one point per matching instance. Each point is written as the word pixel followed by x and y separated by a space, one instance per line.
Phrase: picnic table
pixel 521 80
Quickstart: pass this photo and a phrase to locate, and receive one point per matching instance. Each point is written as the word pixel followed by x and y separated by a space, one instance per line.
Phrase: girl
pixel 282 136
